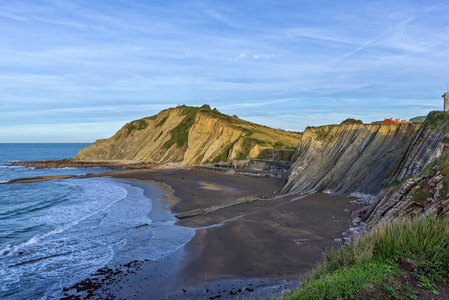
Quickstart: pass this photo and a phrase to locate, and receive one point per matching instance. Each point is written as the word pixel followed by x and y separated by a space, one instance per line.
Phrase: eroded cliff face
pixel 420 183
pixel 425 195
pixel 187 135
pixel 348 158
pixel 427 145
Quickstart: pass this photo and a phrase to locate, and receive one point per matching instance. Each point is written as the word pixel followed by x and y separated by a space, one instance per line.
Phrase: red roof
pixel 392 121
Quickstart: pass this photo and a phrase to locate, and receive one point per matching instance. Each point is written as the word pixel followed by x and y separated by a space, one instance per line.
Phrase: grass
pixel 247 144
pixel 418 119
pixel 395 182
pixel 161 122
pixel 253 134
pixel 372 260
pixel 346 282
pixel 180 134
pixel 224 154
pixel 351 121
pixel 322 133
pixel 205 109
pixel 424 191
pixel 437 118
pixel 434 120
pixel 277 154
pixel 136 125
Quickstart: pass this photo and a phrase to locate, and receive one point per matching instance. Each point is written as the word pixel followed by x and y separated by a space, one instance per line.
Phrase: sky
pixel 77 71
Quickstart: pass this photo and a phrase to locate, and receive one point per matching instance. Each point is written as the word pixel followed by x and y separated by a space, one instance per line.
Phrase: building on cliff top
pixel 446 101
pixel 393 121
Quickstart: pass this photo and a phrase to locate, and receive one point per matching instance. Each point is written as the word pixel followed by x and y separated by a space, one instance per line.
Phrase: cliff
pixel 187 135
pixel 349 157
pixel 420 183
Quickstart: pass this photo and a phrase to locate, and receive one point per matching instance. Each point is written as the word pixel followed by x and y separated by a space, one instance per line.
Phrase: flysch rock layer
pixel 421 176
pixel 348 158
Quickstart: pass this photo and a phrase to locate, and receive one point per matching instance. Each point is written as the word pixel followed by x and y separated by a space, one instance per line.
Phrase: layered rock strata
pixel 348 158
pixel 188 136
pixel 420 183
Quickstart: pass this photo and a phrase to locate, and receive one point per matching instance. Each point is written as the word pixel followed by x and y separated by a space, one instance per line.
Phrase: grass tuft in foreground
pixel 391 261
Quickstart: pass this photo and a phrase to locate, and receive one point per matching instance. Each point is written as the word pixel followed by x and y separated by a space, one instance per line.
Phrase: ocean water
pixel 32 152
pixel 55 233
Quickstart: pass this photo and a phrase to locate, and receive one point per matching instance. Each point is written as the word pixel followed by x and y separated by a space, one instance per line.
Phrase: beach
pixel 249 239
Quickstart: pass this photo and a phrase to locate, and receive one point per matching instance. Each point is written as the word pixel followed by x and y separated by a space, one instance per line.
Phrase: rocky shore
pixel 69 163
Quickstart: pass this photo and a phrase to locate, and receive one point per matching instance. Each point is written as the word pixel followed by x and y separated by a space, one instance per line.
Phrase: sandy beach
pixel 249 239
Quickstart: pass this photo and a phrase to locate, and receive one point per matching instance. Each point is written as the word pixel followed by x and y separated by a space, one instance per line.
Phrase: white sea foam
pixel 102 196
pixel 363 198
pixel 98 224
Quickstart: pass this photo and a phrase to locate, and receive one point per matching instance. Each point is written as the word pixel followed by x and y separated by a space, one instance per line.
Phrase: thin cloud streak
pixel 260 60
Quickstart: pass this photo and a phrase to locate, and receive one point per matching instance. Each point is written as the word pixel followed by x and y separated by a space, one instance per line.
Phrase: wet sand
pixel 246 248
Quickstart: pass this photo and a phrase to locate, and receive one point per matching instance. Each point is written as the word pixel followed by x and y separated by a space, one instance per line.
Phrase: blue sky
pixel 76 71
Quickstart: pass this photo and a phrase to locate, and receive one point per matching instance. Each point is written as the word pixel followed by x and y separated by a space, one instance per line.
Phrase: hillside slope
pixel 188 135
pixel 348 158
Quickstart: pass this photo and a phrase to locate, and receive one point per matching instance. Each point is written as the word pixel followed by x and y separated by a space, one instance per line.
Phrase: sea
pixel 56 233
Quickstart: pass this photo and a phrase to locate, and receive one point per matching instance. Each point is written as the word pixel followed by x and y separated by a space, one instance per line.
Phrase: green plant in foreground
pixel 344 283
pixel 428 284
pixel 372 260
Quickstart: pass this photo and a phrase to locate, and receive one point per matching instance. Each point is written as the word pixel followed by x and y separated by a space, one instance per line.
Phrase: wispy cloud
pixel 241 56
pixel 267 61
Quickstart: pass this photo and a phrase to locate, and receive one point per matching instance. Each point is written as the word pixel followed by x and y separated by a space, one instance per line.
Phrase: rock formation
pixel 417 196
pixel 349 157
pixel 420 183
pixel 187 135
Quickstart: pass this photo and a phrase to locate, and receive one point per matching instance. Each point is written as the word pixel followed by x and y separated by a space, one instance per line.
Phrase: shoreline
pixel 249 248
pixel 139 278
pixel 270 241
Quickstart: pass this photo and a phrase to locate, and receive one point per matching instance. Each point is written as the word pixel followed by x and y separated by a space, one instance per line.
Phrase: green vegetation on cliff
pixel 422 191
pixel 392 260
pixel 136 125
pixel 351 121
pixel 322 133
pixel 419 119
pixel 277 154
pixel 180 133
pixel 436 119
pixel 223 156
pixel 161 122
